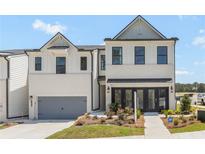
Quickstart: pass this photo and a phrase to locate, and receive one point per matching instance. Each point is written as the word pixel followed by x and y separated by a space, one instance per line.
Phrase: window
pixel 102 60
pixel 83 63
pixel 60 65
pixel 37 63
pixel 162 55
pixel 139 55
pixel 117 55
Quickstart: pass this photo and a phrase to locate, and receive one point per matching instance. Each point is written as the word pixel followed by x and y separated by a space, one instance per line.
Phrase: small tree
pixel 185 104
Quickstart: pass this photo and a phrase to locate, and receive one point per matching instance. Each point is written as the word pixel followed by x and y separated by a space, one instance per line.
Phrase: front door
pixel 151 103
pixel 149 99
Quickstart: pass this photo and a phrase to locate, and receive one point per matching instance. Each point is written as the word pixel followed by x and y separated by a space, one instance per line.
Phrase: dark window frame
pixel 162 55
pixel 83 67
pixel 119 55
pixel 38 65
pixel 102 62
pixel 59 66
pixel 139 55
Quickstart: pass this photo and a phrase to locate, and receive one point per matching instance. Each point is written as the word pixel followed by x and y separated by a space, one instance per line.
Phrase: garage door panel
pixel 61 107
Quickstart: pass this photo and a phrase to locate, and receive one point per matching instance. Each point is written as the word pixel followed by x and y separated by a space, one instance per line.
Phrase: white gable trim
pixel 55 37
pixel 146 22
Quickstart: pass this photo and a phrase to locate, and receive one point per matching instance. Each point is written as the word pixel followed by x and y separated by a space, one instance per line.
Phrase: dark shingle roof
pixel 90 47
pixel 139 80
pixel 11 52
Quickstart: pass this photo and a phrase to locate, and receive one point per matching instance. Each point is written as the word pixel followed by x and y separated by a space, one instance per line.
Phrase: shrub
pixel 185 104
pixel 95 117
pixel 166 113
pixel 184 120
pixel 171 112
pixel 191 118
pixel 176 121
pixel 114 107
pixel 128 110
pixel 139 113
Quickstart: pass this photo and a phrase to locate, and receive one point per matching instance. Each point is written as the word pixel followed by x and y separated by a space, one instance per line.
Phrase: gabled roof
pixel 134 21
pixel 54 37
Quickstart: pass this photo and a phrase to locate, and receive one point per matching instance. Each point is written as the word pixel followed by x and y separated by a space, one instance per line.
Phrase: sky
pixel 27 32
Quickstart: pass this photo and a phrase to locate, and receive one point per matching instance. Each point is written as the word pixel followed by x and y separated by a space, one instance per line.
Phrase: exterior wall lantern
pixel 31 98
pixel 171 89
pixel 108 89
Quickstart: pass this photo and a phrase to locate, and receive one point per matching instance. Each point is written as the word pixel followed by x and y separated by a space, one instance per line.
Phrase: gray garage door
pixel 61 107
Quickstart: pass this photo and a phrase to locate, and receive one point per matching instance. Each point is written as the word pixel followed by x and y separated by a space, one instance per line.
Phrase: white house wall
pixel 2 99
pixel 58 85
pixel 149 70
pixel 95 81
pixel 18 86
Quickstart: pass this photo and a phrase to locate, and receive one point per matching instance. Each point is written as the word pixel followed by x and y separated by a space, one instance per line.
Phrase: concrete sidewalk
pixel 34 129
pixel 154 127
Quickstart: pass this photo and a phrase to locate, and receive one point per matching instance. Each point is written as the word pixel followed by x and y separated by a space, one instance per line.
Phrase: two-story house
pixel 67 80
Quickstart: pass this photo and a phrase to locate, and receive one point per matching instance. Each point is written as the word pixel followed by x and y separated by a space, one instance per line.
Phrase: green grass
pixel 2 126
pixel 96 131
pixel 189 128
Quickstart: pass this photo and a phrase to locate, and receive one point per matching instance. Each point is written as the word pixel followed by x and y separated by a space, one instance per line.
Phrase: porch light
pixel 31 97
pixel 171 89
pixel 108 89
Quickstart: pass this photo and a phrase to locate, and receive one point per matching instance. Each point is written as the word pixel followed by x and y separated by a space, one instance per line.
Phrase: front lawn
pixel 189 128
pixel 96 131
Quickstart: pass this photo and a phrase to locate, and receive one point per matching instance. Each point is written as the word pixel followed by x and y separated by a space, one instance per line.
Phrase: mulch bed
pixel 180 124
pixel 128 121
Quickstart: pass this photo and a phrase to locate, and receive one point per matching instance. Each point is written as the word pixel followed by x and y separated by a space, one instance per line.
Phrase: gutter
pixel 7 88
pixel 98 53
pixel 91 80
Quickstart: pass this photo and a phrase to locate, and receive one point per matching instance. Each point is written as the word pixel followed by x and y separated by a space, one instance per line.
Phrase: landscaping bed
pixel 115 123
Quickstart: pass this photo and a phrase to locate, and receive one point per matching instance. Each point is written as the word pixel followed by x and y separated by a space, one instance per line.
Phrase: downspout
pixel 175 75
pixel 91 80
pixel 98 53
pixel 7 88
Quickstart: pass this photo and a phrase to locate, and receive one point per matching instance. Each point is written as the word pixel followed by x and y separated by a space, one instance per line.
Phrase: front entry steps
pixel 154 127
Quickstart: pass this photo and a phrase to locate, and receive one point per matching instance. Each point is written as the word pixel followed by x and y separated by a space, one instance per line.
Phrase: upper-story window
pixel 83 63
pixel 102 60
pixel 162 55
pixel 38 63
pixel 117 55
pixel 140 55
pixel 60 65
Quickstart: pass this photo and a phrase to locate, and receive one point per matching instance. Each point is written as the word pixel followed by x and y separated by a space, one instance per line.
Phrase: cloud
pixel 201 31
pixel 183 72
pixel 199 62
pixel 199 41
pixel 48 28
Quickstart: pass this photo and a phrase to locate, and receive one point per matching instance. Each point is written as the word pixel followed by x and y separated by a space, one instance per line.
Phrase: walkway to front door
pixel 154 127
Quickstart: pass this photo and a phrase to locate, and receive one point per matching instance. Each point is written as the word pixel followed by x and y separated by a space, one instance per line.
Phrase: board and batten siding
pixel 18 86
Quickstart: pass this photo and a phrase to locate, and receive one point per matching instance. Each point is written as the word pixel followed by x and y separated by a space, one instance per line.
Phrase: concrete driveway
pixel 36 129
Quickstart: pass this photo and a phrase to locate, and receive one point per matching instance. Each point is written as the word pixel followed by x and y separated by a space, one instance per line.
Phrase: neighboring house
pixel 67 80
pixel 13 84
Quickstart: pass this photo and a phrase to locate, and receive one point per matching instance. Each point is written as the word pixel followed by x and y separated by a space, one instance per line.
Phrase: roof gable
pixel 139 28
pixel 59 40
